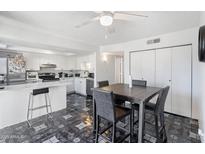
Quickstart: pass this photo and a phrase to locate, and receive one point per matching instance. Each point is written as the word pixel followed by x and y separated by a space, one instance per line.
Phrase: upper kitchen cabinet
pixel 86 62
pixel 34 60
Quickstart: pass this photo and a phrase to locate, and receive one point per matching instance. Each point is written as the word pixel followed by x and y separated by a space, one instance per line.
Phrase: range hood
pixel 47 66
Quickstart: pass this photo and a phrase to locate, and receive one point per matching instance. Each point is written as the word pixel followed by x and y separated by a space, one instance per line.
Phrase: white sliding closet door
pixel 181 80
pixel 148 67
pixel 163 73
pixel 136 65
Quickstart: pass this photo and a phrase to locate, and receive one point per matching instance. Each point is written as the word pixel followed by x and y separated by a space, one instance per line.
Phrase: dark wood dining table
pixel 135 95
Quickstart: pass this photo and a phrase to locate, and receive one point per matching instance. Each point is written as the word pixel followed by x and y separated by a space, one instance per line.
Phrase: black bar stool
pixel 42 91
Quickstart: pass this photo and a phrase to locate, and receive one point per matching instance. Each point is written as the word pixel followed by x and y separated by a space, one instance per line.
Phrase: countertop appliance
pixel 2 79
pixel 32 75
pixel 89 86
pixel 84 74
pixel 91 75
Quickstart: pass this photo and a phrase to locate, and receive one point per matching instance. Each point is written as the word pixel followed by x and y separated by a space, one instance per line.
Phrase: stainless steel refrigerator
pixel 12 68
pixel 3 70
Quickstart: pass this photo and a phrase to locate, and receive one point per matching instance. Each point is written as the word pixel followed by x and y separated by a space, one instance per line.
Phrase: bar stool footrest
pixel 40 107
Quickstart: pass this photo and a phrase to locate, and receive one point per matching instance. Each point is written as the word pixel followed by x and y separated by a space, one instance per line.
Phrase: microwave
pixel 32 75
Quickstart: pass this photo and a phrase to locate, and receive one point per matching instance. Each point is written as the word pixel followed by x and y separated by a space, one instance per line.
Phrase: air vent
pixel 157 40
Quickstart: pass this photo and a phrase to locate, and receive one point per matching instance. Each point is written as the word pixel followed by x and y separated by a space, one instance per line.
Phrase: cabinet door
pixel 148 67
pixel 163 73
pixel 77 85
pixel 136 65
pixel 83 86
pixel 181 80
pixel 70 86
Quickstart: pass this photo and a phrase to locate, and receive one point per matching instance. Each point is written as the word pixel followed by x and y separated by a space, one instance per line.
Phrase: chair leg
pixel 28 111
pixel 46 105
pixel 97 129
pixel 114 132
pixel 130 128
pixel 156 128
pixel 50 107
pixel 133 120
pixel 163 126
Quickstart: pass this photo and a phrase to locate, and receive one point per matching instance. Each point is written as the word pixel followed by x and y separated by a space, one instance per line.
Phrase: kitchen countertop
pixel 39 84
pixel 34 85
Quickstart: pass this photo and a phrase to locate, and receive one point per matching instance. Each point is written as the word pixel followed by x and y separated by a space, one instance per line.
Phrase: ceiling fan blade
pixel 130 14
pixel 124 17
pixel 98 12
pixel 87 22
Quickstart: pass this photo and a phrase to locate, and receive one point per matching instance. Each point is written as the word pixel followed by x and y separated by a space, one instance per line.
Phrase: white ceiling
pixel 56 30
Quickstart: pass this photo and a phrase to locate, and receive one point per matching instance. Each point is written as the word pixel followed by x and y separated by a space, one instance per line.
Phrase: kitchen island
pixel 14 100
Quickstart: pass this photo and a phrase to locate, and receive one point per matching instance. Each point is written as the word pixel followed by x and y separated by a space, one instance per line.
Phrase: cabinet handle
pixel 170 80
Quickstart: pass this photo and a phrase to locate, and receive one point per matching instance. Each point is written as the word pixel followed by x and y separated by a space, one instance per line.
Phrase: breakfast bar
pixel 14 100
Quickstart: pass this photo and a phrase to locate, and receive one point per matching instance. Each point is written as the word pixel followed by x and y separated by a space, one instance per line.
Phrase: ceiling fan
pixel 106 18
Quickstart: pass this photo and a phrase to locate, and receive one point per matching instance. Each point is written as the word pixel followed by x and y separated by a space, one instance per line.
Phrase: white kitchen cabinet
pixel 87 62
pixel 70 86
pixel 167 67
pixel 80 85
pixel 181 80
pixel 143 66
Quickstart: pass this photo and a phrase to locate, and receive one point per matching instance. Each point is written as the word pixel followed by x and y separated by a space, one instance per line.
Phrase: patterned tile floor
pixel 74 124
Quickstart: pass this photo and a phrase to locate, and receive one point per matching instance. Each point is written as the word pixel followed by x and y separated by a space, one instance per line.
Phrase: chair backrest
pixel 103 83
pixel 104 104
pixel 161 100
pixel 139 83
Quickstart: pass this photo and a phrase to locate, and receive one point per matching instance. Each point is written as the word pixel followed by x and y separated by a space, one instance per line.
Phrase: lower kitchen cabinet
pixel 70 86
pixel 80 85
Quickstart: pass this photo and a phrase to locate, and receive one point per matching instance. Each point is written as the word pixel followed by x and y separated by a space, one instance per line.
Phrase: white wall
pixel 189 36
pixel 105 70
pixel 34 60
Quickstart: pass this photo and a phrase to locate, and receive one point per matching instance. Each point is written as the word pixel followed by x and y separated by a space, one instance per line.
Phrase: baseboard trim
pixel 179 115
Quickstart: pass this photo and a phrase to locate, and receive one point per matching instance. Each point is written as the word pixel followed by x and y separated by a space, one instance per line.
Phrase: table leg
pixel 132 123
pixel 94 116
pixel 141 122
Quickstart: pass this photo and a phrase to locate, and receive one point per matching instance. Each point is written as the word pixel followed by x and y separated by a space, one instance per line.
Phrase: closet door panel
pixel 136 65
pixel 148 67
pixel 181 80
pixel 163 73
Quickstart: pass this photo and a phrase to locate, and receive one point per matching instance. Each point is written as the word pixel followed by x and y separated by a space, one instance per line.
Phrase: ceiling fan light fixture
pixel 106 20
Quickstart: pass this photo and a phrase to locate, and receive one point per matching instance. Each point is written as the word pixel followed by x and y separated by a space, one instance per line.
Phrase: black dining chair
pixel 158 113
pixel 135 107
pixel 103 83
pixel 139 83
pixel 107 110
